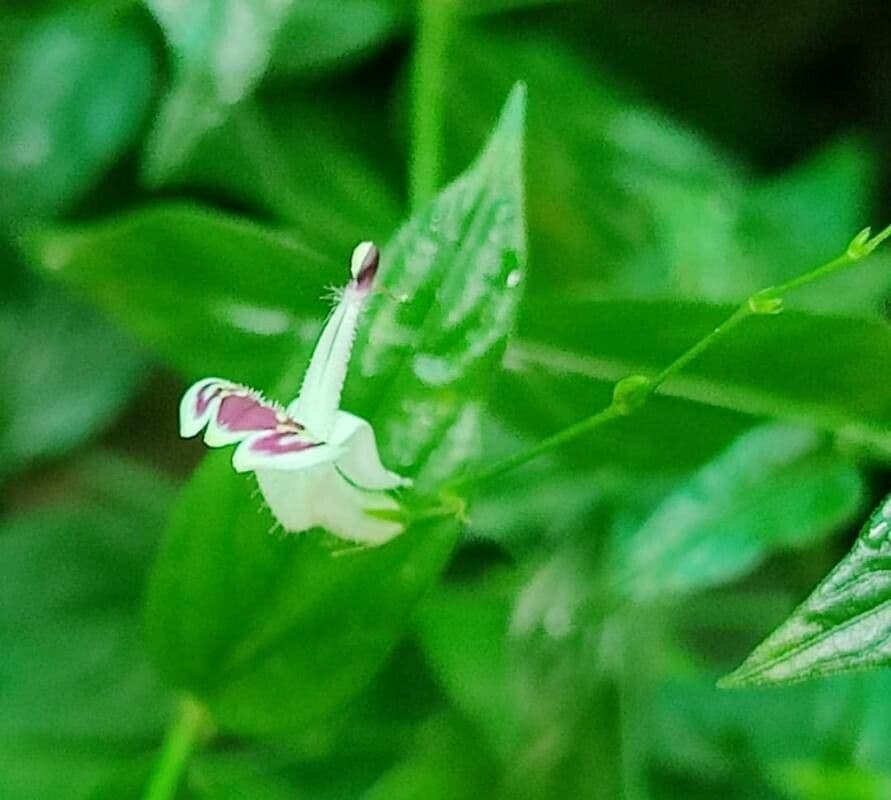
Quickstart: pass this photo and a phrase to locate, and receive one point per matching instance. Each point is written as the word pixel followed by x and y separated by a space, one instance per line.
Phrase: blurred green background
pixel 180 180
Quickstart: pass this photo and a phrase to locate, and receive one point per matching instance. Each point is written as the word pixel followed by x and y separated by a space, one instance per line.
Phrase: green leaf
pixel 267 631
pixel 808 209
pixel 625 201
pixel 844 625
pixel 64 375
pixel 619 196
pixel 220 53
pixel 728 737
pixel 465 633
pixel 79 699
pixel 73 99
pixel 59 769
pixel 543 500
pixel 312 175
pixel 276 633
pixel 473 8
pixel 539 695
pixel 545 389
pixel 449 762
pixel 319 36
pixel 776 487
pixel 815 780
pixel 770 366
pixel 233 777
pixel 210 293
pixel 71 580
pixel 421 365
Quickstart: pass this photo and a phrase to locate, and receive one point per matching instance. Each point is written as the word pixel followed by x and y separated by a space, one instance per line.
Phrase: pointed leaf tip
pixel 512 119
pixel 845 624
pixel 514 111
pixel 504 146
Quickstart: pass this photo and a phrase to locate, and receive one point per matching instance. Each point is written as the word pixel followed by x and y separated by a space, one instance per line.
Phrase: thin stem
pixel 702 345
pixel 631 392
pixel 184 733
pixel 859 248
pixel 553 441
pixel 428 96
pixel 844 260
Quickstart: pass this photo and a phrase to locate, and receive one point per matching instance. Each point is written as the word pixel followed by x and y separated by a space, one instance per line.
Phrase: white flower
pixel 316 465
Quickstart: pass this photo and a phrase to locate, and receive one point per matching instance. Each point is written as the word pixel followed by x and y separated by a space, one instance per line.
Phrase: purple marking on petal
pixel 205 396
pixel 243 412
pixel 275 444
pixel 368 270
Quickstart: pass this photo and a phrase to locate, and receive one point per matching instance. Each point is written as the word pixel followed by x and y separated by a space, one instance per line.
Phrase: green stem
pixel 187 729
pixel 551 442
pixel 702 345
pixel 631 392
pixel 428 96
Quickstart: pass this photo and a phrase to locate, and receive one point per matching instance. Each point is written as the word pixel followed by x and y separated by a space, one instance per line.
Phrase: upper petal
pixel 198 404
pixel 319 397
pixel 230 412
pixel 360 461
pixel 269 436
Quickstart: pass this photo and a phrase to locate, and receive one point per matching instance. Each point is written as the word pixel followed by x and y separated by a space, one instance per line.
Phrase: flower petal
pixel 343 511
pixel 290 494
pixel 198 404
pixel 231 413
pixel 282 450
pixel 320 497
pixel 319 396
pixel 360 462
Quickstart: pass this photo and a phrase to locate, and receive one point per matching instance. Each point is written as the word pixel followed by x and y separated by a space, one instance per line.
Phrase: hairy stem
pixel 631 392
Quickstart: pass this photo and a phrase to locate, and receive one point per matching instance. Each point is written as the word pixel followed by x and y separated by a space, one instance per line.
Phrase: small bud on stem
pixel 630 393
pixel 765 302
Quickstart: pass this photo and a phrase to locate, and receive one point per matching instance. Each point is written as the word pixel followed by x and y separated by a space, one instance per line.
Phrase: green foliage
pixel 231 778
pixel 842 626
pixel 625 202
pixel 64 374
pixel 313 39
pixel 198 173
pixel 456 268
pixel 220 52
pixel 776 486
pixel 755 736
pixel 815 781
pixel 313 176
pixel 268 632
pixel 74 98
pixel 448 762
pixel 211 293
pixel 76 682
pixel 767 367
